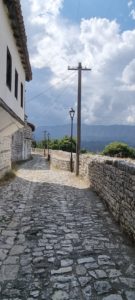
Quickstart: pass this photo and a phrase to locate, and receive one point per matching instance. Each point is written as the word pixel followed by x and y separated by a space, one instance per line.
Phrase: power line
pixel 55 54
pixel 43 92
pixel 62 92
pixel 78 9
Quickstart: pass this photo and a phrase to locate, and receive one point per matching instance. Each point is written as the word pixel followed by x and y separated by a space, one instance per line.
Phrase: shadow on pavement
pixel 55 222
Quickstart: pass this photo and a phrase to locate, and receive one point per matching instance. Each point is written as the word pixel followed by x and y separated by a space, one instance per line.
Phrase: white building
pixel 15 69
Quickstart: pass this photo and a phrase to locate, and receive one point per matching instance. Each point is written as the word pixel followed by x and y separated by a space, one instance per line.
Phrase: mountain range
pixel 94 137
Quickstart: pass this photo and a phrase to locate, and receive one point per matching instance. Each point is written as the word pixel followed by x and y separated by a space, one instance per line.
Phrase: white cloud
pixel 108 91
pixel 132 9
pixel 131 114
pixel 41 7
pixel 133 14
pixel 130 3
pixel 129 73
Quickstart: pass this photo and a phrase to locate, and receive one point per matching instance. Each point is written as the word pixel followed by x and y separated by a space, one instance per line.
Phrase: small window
pixel 9 70
pixel 21 95
pixel 16 84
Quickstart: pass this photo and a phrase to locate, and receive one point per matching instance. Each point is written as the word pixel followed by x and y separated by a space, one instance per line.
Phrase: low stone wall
pixel 38 151
pixel 5 155
pixel 112 178
pixel 60 160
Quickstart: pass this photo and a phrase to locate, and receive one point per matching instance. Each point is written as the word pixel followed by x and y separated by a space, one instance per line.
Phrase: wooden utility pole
pixel 44 141
pixel 78 142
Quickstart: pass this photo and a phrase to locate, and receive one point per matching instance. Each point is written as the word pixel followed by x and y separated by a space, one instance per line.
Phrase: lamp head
pixel 72 113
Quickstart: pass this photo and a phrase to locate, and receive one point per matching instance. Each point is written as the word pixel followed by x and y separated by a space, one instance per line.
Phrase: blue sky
pixel 116 9
pixel 98 33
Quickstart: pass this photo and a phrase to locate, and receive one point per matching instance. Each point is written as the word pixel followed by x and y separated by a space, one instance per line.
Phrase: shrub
pixel 83 151
pixel 9 175
pixel 118 149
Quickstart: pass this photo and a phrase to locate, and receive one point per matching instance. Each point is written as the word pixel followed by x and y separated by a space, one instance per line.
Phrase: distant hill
pixel 94 137
pixel 55 131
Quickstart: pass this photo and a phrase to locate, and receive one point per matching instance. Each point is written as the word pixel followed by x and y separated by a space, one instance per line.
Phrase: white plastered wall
pixel 7 40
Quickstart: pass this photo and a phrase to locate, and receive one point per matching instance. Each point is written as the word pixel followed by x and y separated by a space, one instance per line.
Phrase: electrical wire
pixel 78 9
pixel 44 92
pixel 64 89
pixel 62 92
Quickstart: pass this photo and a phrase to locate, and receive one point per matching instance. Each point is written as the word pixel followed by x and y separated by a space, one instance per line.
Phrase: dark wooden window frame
pixel 9 70
pixel 22 95
pixel 16 84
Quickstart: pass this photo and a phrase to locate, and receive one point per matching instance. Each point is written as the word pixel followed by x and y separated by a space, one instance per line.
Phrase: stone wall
pixel 60 160
pixel 38 151
pixel 114 181
pixel 21 144
pixel 5 155
pixel 17 146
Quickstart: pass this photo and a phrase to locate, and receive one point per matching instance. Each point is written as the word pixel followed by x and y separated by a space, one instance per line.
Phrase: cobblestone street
pixel 59 242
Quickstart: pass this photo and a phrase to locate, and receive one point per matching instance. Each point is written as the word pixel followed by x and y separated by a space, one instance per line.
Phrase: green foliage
pixel 83 151
pixel 59 144
pixel 65 144
pixel 34 144
pixel 54 144
pixel 118 149
pixel 41 144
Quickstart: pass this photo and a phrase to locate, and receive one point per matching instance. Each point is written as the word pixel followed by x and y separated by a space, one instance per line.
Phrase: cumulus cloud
pixel 108 91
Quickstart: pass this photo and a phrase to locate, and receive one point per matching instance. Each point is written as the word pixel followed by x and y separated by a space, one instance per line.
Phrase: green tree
pixel 59 144
pixel 65 144
pixel 34 144
pixel 54 144
pixel 119 149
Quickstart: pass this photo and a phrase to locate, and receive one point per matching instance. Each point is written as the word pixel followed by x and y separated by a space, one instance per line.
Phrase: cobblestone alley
pixel 58 241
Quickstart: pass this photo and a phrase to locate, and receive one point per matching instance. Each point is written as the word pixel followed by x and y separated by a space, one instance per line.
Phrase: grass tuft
pixel 7 177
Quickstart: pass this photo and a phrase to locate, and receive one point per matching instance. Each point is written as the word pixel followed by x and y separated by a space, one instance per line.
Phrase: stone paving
pixel 59 242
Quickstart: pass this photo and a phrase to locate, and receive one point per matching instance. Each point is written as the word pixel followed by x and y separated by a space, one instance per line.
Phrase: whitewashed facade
pixel 15 69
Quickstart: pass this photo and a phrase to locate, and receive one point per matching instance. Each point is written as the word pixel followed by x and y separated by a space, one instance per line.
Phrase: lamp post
pixel 48 135
pixel 72 113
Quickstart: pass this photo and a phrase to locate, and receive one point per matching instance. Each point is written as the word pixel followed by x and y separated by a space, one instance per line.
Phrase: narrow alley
pixel 59 242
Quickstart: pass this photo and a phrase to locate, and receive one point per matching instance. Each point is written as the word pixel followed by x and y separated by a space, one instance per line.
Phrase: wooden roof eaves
pixel 17 25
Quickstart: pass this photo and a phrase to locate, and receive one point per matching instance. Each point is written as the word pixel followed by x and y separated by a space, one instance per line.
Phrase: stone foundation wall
pixel 5 155
pixel 21 144
pixel 17 146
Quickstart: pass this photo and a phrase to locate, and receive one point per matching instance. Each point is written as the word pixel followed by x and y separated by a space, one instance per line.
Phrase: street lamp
pixel 71 113
pixel 48 135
